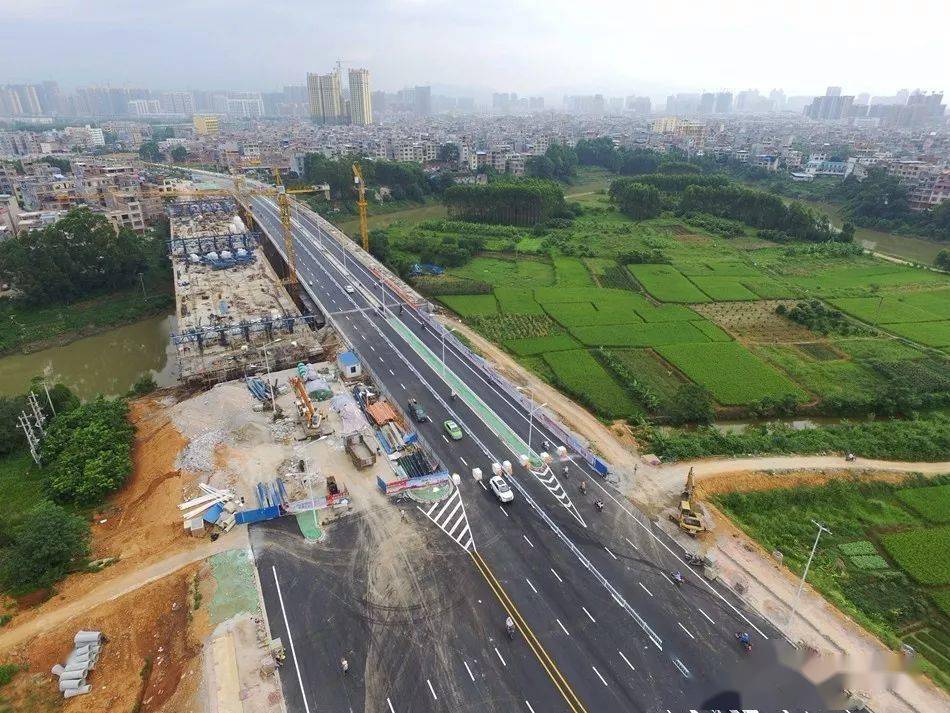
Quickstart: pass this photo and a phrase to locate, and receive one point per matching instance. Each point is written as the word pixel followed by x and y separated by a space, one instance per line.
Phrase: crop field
pixel 866 520
pixel 499 327
pixel 933 334
pixel 582 376
pixel 886 309
pixel 532 346
pixel 666 284
pixel 639 335
pixel 471 305
pixel 494 271
pixel 857 282
pixel 585 314
pixel 517 300
pixel 723 289
pixel 936 301
pixel 650 369
pixel 923 553
pixel 571 272
pixel 712 331
pixel 931 503
pixel 821 377
pixel 730 372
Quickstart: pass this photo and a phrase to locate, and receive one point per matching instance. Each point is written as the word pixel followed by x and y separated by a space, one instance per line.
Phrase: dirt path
pixel 55 616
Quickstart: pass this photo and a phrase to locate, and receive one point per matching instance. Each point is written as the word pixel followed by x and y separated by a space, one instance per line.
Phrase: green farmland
pixel 885 561
pixel 696 308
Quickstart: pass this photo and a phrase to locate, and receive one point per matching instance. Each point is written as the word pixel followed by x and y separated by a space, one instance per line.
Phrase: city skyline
pixel 397 40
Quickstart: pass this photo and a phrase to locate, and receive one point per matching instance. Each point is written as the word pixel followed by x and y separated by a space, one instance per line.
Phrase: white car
pixel 501 489
pixel 310 282
pixel 349 289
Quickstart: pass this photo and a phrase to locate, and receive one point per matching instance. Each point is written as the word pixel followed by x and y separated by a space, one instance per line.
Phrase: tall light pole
pixel 273 398
pixel 534 407
pixel 444 332
pixel 801 585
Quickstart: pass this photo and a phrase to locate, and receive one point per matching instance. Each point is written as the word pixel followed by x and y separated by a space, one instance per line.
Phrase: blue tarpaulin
pixel 213 513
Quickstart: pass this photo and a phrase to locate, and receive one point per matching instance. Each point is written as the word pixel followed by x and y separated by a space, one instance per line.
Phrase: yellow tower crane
pixel 361 204
pixel 283 203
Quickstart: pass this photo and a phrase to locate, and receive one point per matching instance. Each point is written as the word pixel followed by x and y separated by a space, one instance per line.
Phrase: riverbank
pixel 27 329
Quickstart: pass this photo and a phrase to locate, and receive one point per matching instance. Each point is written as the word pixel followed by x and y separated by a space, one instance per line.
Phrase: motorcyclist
pixel 344 666
pixel 510 626
pixel 566 472
pixel 547 445
pixel 454 396
pixel 583 487
pixel 599 505
pixel 678 577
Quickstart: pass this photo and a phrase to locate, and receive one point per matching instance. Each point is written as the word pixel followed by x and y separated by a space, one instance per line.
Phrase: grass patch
pixel 582 376
pixel 861 547
pixel 885 310
pixel 584 314
pixel 822 378
pixel 517 300
pixel 505 273
pixel 729 371
pixel 22 486
pixel 714 332
pixel 933 334
pixel 649 369
pixel 724 289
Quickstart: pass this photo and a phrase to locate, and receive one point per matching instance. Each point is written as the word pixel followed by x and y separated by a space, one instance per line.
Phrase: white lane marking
pixel 503 510
pixel 631 544
pixel 372 347
pixel 529 706
pixel 500 657
pixel 626 661
pixel 527 540
pixel 469 671
pixel 666 578
pixel 645 589
pixel 609 552
pixel 686 630
pixel 403 386
pixel 390 703
pixel 562 627
pixel 483 485
pixel 381 360
pixel 392 372
pixel 599 676
pixel 556 575
pixel 531 585
pixel 432 689
pixel 589 615
pixel 348 318
pixel 464 462
pixel 445 439
pixel 290 638
pixel 706 615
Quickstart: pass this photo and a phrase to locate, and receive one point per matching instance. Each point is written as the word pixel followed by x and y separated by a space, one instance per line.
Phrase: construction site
pixel 234 315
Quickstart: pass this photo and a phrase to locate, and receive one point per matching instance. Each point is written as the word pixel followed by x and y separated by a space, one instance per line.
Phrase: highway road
pixel 592 592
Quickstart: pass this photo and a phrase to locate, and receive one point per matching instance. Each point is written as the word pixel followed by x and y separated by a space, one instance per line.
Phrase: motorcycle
pixel 599 505
pixel 510 629
pixel 678 579
pixel 694 560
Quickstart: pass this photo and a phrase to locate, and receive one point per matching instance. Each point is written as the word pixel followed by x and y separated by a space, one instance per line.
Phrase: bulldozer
pixel 687 518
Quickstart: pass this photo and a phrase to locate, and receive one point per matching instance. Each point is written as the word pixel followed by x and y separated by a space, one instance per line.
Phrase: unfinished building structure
pixel 234 316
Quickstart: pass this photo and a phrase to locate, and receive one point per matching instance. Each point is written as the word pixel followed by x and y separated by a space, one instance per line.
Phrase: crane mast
pixel 361 204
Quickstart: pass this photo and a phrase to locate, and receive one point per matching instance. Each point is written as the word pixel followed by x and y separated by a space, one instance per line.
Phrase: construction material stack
pixel 81 660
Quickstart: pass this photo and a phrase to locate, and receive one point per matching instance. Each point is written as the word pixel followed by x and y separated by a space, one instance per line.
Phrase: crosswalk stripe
pixel 452 511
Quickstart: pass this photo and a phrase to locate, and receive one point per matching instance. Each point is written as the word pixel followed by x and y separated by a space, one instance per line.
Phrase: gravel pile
pixel 199 454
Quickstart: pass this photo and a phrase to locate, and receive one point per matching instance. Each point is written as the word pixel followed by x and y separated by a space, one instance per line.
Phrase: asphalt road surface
pixel 602 624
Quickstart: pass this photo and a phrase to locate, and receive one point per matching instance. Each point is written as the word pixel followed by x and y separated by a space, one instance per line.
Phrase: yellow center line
pixel 560 682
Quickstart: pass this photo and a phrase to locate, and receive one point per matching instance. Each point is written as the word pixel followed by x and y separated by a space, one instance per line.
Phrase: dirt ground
pixel 747 481
pixel 756 321
pixel 151 659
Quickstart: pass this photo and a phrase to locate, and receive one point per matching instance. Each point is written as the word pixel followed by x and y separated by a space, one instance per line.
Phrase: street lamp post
pixel 444 332
pixel 801 585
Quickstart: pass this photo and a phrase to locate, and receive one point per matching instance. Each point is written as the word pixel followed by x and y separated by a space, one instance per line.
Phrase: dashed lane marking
pixel 563 628
pixel 589 615
pixel 706 615
pixel 469 671
pixel 557 576
pixel 609 552
pixel 500 657
pixel 392 372
pixel 631 544
pixel 599 676
pixel 432 690
pixel 464 462
pixel 390 704
pixel 503 510
pixel 531 585
pixel 626 661
pixel 528 541
pixel 645 589
pixel 686 630
pixel 529 706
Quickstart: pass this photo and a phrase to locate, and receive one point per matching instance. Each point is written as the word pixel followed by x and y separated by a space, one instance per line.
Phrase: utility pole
pixel 31 438
pixel 49 399
pixel 801 585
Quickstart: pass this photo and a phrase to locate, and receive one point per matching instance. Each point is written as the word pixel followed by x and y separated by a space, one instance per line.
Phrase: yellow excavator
pixel 688 519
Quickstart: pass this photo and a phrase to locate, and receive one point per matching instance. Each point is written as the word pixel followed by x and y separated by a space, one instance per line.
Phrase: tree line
pixel 526 202
pixel 714 195
pixel 405 179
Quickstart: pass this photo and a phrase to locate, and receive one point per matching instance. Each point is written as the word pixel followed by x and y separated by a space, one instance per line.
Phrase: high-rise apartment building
pixel 830 107
pixel 723 102
pixel 361 101
pixel 422 101
pixel 326 103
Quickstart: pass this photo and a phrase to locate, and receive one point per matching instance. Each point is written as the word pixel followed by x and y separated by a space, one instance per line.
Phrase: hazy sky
pixel 527 46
